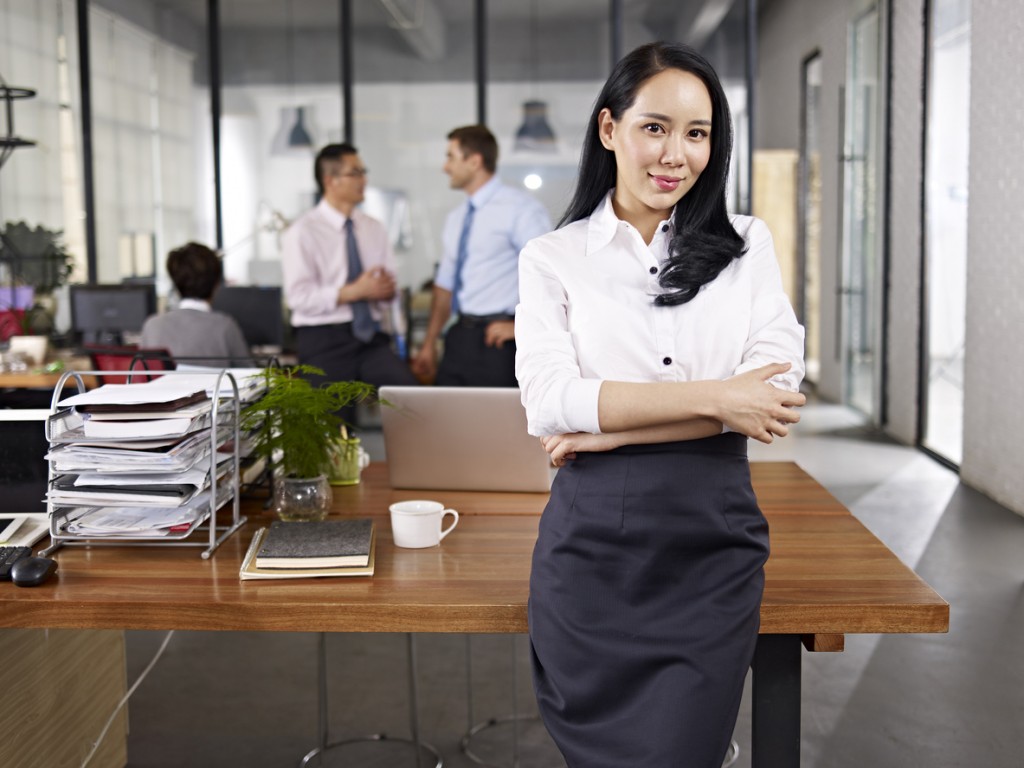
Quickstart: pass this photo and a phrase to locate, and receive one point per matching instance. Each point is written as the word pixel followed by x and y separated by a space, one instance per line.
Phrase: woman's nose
pixel 674 150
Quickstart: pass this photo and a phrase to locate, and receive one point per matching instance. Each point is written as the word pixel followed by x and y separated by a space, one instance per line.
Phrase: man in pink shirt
pixel 339 278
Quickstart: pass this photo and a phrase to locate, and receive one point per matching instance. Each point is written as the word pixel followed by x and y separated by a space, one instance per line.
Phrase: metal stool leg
pixel 323 721
pixel 512 719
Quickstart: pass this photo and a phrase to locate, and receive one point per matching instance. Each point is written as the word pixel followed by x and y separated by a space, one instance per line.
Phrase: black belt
pixel 475 321
pixel 330 326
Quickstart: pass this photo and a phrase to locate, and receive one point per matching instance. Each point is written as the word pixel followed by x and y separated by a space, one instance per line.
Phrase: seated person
pixel 194 332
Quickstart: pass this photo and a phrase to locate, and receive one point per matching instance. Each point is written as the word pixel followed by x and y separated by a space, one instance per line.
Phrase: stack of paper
pixel 134 460
pixel 251 382
pixel 140 522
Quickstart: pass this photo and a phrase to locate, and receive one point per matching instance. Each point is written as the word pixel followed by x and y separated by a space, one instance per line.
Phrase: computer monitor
pixel 24 471
pixel 102 314
pixel 258 311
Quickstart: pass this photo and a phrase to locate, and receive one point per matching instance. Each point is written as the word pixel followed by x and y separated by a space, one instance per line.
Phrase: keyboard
pixel 8 557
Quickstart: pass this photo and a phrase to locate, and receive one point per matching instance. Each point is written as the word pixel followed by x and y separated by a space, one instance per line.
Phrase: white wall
pixel 993 417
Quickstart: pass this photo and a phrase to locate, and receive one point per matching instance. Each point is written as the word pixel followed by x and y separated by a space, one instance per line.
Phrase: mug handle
pixel 455 522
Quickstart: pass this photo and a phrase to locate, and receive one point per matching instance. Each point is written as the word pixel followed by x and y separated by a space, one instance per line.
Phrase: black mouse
pixel 32 571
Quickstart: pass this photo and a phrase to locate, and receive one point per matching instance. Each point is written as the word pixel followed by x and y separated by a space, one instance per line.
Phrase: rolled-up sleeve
pixel 774 336
pixel 557 398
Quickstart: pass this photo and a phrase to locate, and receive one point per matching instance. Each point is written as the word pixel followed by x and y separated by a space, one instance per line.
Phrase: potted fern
pixel 37 262
pixel 297 430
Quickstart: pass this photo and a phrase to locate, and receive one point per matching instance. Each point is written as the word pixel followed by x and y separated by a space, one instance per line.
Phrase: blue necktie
pixel 363 324
pixel 460 259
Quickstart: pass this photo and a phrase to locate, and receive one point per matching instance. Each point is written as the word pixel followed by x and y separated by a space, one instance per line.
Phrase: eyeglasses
pixel 355 173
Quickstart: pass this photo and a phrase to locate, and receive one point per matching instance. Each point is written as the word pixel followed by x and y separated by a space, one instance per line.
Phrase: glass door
pixel 808 297
pixel 948 130
pixel 860 290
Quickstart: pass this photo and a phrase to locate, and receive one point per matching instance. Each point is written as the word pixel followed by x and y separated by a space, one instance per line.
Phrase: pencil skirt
pixel 644 605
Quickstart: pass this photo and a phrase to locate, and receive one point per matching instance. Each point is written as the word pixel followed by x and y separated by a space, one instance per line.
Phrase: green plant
pixel 36 256
pixel 298 424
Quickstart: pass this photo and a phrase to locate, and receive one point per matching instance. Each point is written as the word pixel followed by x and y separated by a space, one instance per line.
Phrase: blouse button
pixel 654 270
pixel 667 361
pixel 664 227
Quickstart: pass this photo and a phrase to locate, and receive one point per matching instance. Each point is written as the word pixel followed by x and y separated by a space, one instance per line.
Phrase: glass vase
pixel 302 499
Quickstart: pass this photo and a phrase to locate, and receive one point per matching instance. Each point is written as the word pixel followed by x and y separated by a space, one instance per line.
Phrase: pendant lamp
pixel 293 132
pixel 535 134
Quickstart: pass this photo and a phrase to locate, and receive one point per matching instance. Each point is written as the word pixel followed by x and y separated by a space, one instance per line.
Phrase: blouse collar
pixel 603 224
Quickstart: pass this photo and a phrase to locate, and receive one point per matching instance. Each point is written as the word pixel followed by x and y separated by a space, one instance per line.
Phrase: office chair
pixel 117 358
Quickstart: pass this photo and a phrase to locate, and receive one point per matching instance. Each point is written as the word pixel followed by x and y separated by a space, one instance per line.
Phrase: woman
pixel 653 339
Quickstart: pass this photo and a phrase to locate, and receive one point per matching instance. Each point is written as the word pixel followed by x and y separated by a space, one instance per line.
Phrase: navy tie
pixel 363 324
pixel 460 259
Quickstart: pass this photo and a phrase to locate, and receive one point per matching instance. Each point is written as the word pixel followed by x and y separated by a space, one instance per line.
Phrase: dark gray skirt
pixel 644 603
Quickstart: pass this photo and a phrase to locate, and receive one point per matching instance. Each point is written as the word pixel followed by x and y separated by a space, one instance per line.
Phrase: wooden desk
pixel 39 380
pixel 827 576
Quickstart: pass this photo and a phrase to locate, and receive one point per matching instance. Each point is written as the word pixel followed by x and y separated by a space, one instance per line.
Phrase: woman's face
pixel 662 143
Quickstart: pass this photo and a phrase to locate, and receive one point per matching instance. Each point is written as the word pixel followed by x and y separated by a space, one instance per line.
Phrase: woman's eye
pixel 698 133
pixel 654 128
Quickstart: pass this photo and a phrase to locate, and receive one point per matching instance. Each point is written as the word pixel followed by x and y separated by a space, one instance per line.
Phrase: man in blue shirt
pixel 478 277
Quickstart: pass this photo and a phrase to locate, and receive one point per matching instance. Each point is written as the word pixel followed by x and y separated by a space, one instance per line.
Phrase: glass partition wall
pixel 280 102
pixel 414 81
pixel 946 174
pixel 860 286
pixel 546 65
pixel 808 299
pixel 142 95
pixel 276 76
pixel 40 173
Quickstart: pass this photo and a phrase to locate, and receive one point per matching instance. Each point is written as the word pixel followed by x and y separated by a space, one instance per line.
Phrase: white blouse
pixel 587 314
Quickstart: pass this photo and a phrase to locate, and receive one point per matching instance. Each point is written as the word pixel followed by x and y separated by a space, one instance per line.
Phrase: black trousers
pixel 644 606
pixel 468 362
pixel 343 357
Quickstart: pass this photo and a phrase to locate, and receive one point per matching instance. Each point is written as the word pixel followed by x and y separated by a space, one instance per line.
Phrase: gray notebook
pixel 322 544
pixel 461 439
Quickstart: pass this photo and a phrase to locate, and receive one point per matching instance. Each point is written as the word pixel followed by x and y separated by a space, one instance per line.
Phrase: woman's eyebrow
pixel 667 119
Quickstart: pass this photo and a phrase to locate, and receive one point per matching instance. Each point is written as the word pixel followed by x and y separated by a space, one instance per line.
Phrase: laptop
pixel 461 439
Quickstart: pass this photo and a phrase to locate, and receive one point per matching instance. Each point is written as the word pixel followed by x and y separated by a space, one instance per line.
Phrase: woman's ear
pixel 606 128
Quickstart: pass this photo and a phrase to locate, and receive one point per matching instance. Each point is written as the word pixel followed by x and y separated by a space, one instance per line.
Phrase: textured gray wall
pixel 994 377
pixel 907 113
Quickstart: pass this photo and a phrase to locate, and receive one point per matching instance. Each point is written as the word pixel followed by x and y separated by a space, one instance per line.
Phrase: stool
pixel 513 719
pixel 322 720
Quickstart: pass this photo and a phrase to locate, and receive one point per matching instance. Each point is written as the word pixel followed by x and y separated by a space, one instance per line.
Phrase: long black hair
pixel 705 241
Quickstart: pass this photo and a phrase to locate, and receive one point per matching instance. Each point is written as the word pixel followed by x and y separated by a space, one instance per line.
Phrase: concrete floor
pixel 943 701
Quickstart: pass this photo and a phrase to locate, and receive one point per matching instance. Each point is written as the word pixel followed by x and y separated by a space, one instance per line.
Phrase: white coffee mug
pixel 417 524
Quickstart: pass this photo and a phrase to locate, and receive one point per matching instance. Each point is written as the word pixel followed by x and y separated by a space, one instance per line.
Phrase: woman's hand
pixel 751 405
pixel 564 447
